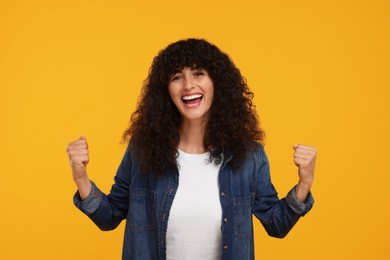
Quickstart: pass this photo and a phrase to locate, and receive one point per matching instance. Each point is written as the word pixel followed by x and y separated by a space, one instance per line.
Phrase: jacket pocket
pixel 242 216
pixel 142 209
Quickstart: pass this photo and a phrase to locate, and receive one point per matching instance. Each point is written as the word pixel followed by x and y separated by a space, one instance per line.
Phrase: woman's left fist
pixel 305 159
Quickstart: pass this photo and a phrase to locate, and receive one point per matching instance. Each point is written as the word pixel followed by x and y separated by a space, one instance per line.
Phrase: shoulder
pixel 254 159
pixel 132 149
pixel 129 157
pixel 256 153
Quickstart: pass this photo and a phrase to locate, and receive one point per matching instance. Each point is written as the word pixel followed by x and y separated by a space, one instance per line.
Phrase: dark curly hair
pixel 154 126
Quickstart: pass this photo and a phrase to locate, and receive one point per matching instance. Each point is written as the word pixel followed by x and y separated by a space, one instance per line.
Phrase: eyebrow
pixel 192 68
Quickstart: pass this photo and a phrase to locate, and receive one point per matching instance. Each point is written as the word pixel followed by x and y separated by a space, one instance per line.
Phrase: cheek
pixel 170 89
pixel 172 92
pixel 211 94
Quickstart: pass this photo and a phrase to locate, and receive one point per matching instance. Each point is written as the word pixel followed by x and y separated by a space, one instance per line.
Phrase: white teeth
pixel 192 97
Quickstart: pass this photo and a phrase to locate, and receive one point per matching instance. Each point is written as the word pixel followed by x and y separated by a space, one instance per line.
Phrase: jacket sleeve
pixel 277 216
pixel 107 211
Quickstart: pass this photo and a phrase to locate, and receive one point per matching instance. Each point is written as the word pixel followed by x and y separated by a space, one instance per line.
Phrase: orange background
pixel 319 70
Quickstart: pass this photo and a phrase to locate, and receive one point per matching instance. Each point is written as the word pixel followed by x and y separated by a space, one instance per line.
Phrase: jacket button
pixel 225 220
pixel 225 247
pixel 223 194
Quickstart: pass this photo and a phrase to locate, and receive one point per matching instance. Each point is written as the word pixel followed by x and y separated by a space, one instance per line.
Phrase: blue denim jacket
pixel 145 202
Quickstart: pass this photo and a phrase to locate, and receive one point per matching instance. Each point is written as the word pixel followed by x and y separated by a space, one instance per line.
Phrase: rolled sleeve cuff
pixel 297 206
pixel 91 203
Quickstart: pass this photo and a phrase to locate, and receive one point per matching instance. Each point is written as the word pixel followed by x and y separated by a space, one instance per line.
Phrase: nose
pixel 188 84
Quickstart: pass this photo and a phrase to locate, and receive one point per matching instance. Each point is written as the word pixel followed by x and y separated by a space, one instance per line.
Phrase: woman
pixel 194 171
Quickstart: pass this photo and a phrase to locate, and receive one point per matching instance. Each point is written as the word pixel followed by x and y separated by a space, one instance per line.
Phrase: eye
pixel 175 77
pixel 199 73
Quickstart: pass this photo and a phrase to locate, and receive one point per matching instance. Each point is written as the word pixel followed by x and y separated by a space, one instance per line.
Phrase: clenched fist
pixel 79 158
pixel 305 159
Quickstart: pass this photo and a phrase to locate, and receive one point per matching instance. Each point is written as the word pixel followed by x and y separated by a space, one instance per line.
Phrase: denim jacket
pixel 145 200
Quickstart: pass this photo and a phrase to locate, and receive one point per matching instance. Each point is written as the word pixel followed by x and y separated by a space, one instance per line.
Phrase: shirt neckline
pixel 193 155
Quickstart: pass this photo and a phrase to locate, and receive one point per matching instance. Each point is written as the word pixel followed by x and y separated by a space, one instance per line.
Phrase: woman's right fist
pixel 79 158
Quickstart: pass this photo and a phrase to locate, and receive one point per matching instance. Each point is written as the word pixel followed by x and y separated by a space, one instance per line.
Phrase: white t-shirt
pixel 194 224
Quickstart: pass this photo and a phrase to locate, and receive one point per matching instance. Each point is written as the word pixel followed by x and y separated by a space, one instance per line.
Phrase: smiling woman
pixel 195 170
pixel 160 122
pixel 192 91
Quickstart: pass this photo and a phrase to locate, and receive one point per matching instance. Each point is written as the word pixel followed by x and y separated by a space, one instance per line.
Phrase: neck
pixel 191 136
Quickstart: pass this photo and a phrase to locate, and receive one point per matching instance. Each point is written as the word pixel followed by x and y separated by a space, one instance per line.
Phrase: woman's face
pixel 192 91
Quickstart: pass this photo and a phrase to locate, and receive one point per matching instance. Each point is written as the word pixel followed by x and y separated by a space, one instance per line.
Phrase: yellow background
pixel 319 70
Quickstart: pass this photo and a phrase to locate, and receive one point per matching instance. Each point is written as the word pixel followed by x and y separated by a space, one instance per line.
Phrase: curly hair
pixel 233 123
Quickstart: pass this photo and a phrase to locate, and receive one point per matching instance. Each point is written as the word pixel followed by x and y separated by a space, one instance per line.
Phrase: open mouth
pixel 192 100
